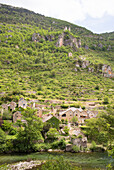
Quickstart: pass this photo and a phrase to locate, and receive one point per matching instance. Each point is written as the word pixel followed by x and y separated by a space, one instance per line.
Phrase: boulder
pixel 79 142
pixel 86 47
pixel 68 147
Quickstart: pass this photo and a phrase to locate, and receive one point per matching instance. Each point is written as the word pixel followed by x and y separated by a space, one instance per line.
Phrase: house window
pixel 64 115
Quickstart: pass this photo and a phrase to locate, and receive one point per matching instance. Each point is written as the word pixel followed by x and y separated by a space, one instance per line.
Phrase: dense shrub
pixel 61 144
pixel 41 146
pixel 75 148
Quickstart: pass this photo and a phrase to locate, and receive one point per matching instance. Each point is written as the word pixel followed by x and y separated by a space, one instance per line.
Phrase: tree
pixel 6 125
pixel 52 134
pixel 106 100
pixel 2 136
pixel 101 129
pixel 30 131
pixel 66 130
pixel 74 120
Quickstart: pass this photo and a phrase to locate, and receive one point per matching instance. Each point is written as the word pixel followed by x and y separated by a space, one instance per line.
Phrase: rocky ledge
pixel 24 165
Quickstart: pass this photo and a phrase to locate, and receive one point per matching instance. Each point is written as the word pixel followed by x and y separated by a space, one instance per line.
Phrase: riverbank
pixel 88 161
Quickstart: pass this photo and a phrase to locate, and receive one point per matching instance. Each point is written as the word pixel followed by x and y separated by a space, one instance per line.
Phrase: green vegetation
pixel 101 129
pixel 41 66
pixel 91 161
pixel 58 163
pixel 34 66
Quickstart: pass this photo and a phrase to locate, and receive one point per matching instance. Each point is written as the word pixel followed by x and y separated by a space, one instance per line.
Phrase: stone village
pixel 57 112
pixel 54 112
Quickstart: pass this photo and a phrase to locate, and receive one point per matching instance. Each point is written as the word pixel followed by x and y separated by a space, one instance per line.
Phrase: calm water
pixel 88 161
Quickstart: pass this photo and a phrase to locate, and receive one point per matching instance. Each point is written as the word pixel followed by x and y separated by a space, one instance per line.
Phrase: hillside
pixel 39 59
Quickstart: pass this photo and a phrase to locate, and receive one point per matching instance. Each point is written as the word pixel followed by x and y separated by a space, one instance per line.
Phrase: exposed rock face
pixel 77 64
pixel 85 64
pixel 80 142
pixel 86 47
pixel 67 39
pixel 60 41
pixel 91 69
pixel 69 147
pixel 82 64
pixel 100 45
pixel 104 69
pixel 36 37
pixel 107 71
pixel 109 47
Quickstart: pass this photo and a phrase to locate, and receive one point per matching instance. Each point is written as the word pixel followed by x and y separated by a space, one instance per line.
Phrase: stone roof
pixel 47 118
pixel 73 109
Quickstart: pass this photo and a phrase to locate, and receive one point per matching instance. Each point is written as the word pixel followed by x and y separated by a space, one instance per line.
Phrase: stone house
pixel 54 121
pixel 5 106
pixel 82 117
pixel 46 117
pixel 17 116
pixel 22 103
pixel 81 114
pixel 92 114
pixel 39 112
pixel 12 105
pixel 70 113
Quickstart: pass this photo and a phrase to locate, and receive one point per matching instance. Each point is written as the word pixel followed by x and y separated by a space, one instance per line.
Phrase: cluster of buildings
pixel 67 114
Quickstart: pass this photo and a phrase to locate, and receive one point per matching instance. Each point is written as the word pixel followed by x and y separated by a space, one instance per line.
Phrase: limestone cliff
pixel 66 38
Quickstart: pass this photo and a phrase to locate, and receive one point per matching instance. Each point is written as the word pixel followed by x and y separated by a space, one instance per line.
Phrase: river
pixel 88 161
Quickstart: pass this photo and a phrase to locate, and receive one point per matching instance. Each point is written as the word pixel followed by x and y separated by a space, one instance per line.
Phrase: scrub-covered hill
pixel 39 56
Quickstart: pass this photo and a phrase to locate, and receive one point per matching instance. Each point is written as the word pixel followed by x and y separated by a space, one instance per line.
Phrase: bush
pixel 59 144
pixel 106 100
pixel 52 134
pixel 41 146
pixel 97 87
pixel 12 131
pixel 65 106
pixel 66 130
pixel 6 125
pixel 2 136
pixel 93 146
pixel 76 148
pixel 83 107
pixel 80 136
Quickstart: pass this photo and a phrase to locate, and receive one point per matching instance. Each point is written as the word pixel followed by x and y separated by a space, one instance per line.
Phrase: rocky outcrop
pixel 82 64
pixel 103 69
pixel 85 64
pixel 37 37
pixel 69 148
pixel 86 47
pixel 107 71
pixel 67 39
pixel 100 45
pixel 80 142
